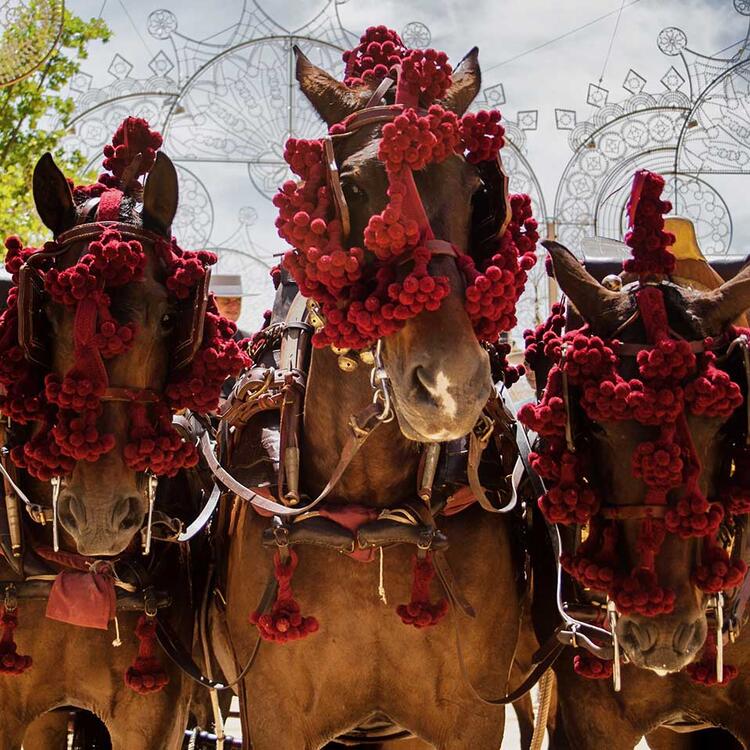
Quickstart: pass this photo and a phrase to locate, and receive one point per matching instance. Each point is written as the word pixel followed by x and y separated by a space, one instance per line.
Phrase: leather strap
pixel 179 656
pixel 94 230
pixel 203 517
pixel 632 512
pixel 373 115
pixel 477 445
pixel 543 659
pixel 361 428
pixel 380 92
pixel 450 585
pixel 37 512
pixel 334 183
pixel 123 393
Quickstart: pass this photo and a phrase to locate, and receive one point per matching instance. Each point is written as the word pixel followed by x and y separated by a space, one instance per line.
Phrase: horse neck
pixel 384 471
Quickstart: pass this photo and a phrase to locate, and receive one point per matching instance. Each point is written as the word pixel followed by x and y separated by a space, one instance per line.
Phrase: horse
pixel 365 669
pixel 93 312
pixel 666 687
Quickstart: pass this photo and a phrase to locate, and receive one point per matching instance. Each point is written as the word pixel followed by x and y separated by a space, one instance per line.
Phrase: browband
pixel 93 230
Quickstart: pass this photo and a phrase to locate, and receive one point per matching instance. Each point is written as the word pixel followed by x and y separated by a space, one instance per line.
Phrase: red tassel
pixel 10 661
pixel 703 672
pixel 285 621
pixel 592 667
pixel 146 674
pixel 420 611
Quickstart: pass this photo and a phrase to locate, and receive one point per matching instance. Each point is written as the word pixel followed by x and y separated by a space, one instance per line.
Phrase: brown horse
pixel 655 692
pixel 364 662
pixel 102 508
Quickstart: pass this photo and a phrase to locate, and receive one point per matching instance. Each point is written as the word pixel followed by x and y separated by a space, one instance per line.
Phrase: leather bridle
pixel 581 633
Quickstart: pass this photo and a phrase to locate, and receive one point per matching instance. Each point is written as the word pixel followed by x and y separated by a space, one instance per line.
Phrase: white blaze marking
pixel 443 395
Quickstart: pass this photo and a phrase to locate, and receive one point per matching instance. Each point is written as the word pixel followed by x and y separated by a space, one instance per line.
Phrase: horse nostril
pixel 638 636
pixel 688 637
pixel 127 513
pixel 71 510
pixel 423 383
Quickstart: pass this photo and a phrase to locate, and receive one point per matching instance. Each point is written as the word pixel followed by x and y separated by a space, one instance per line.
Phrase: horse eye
pixel 354 191
pixel 167 321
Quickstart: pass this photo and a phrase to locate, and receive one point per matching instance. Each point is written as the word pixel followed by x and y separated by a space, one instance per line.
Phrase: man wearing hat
pixel 227 290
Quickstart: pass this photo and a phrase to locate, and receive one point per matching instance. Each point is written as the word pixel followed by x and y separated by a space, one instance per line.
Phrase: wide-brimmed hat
pixel 228 285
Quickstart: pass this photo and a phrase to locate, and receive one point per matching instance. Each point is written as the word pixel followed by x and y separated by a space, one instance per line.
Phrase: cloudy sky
pixel 544 52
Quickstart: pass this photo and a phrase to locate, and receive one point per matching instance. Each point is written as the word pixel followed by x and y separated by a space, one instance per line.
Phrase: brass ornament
pixel 314 316
pixel 347 363
pixel 367 357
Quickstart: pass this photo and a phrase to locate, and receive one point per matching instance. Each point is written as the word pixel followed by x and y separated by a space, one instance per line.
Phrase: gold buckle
pixel 484 427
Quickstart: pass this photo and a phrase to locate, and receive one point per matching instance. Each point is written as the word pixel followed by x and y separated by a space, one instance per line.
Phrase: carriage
pixel 368 542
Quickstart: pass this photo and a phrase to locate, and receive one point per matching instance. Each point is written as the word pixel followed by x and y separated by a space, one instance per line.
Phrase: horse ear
pixel 597 305
pixel 722 306
pixel 160 195
pixel 467 80
pixel 332 99
pixel 52 196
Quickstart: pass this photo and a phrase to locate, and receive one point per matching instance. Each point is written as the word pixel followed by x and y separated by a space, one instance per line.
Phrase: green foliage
pixel 34 117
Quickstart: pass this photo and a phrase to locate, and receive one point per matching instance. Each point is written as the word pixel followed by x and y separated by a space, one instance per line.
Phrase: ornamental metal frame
pixel 231 101
pixel 675 132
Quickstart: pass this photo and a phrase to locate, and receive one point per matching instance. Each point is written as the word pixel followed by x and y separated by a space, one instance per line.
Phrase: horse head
pixel 116 333
pixel 103 502
pixel 671 445
pixel 439 372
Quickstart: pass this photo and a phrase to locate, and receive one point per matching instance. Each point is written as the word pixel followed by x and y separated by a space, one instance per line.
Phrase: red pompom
pixel 592 667
pixel 420 611
pixel 146 674
pixel 285 621
pixel 133 137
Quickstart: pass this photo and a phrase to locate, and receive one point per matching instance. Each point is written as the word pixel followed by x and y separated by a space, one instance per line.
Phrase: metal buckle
pixel 425 539
pixel 149 602
pixel 10 601
pixel 280 533
pixel 484 427
pixel 380 384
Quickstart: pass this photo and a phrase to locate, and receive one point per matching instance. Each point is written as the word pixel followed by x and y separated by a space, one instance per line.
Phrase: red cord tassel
pixel 703 672
pixel 592 667
pixel 420 611
pixel 285 622
pixel 146 674
pixel 10 661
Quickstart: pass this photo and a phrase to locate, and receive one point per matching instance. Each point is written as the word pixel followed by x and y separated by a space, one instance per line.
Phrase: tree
pixel 34 116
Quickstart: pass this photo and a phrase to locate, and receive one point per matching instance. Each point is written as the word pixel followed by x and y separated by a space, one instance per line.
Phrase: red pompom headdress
pixel 68 407
pixel 673 381
pixel 360 297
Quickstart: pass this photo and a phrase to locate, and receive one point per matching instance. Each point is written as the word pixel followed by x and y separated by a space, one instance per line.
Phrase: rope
pixel 611 42
pixel 542 714
pixel 558 38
